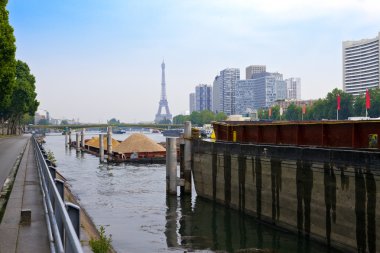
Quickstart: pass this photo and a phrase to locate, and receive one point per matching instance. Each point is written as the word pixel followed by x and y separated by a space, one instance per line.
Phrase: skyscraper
pixel 215 95
pixel 360 65
pixel 244 96
pixel 293 86
pixel 224 90
pixel 203 97
pixel 254 69
pixel 192 102
pixel 268 87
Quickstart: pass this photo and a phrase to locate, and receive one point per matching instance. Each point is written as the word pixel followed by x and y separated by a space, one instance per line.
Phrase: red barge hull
pixel 332 134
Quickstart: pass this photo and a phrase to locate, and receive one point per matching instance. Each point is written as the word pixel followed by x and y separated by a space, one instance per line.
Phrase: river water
pixel 131 202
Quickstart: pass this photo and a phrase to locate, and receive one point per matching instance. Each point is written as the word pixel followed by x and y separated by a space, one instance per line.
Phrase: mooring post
pixel 77 141
pixel 101 148
pixel 109 142
pixel 187 157
pixel 167 165
pixel 82 138
pixel 69 137
pixel 66 139
pixel 171 153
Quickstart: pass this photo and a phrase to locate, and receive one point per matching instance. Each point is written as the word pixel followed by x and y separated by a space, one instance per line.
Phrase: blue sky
pixel 98 59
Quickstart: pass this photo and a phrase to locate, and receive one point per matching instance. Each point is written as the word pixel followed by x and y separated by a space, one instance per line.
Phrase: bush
pixel 103 244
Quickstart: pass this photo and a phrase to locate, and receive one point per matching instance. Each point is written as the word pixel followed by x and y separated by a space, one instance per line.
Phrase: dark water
pixel 131 202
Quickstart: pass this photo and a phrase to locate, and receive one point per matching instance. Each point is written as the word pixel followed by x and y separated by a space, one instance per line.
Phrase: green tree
pixel 262 114
pixel 374 110
pixel 64 122
pixel 195 118
pixel 346 104
pixel 180 119
pixel 207 117
pixel 293 112
pixel 23 100
pixel 359 106
pixel 7 60
pixel 220 116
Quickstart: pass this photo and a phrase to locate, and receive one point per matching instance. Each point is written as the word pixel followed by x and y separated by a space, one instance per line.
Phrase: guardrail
pixel 62 218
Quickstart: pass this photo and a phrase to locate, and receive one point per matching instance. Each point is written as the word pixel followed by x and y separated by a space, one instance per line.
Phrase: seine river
pixel 131 202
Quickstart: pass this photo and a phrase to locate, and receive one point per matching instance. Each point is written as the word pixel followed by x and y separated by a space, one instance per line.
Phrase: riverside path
pixel 10 148
pixel 26 194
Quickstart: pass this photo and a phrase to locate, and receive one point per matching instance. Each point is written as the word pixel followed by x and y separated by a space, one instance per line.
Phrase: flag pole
pixel 337 114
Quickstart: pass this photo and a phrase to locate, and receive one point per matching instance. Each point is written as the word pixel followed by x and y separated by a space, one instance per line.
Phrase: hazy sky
pixel 98 59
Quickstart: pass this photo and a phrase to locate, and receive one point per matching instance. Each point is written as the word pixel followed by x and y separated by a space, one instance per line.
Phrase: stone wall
pixel 327 194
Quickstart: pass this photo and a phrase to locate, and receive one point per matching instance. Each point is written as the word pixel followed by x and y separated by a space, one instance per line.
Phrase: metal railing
pixel 62 218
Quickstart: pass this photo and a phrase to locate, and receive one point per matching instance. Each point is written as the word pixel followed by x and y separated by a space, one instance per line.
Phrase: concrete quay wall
pixel 330 195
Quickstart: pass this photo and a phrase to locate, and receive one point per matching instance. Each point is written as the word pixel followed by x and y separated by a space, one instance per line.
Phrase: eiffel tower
pixel 163 102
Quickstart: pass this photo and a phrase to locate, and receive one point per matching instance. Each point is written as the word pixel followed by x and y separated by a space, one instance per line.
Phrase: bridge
pixel 130 125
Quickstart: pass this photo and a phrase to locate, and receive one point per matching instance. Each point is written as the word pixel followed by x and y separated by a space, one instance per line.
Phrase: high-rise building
pixel 203 97
pixel 215 95
pixel 192 102
pixel 244 96
pixel 360 65
pixel 293 86
pixel 225 85
pixel 268 87
pixel 254 69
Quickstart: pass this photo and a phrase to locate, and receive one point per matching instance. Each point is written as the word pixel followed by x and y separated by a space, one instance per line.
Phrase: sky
pixel 100 59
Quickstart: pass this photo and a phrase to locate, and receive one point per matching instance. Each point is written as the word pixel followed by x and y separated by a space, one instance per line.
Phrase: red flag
pixel 367 99
pixel 338 102
pixel 270 112
pixel 303 109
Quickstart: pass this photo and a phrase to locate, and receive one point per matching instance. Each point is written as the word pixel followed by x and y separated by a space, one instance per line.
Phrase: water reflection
pixel 207 225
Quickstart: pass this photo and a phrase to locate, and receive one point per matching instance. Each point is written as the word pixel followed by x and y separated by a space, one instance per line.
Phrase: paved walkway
pixel 10 148
pixel 26 194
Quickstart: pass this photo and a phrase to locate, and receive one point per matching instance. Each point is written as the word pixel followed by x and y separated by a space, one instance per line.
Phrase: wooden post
pixel 101 148
pixel 187 157
pixel 77 142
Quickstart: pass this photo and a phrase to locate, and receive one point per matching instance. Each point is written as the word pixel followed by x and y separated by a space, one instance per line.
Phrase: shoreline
pixel 88 228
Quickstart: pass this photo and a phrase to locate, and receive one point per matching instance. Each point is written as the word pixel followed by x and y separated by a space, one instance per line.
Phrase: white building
pixel 360 65
pixel 224 90
pixel 215 95
pixel 268 87
pixel 192 102
pixel 244 96
pixel 293 86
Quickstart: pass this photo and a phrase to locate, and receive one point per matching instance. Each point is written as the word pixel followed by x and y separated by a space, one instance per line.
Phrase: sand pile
pixel 138 143
pixel 94 142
